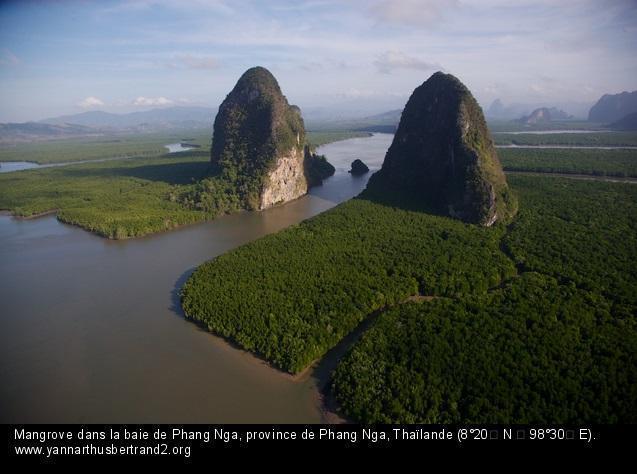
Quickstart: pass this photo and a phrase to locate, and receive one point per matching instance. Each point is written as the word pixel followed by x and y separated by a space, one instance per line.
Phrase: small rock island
pixel 259 143
pixel 358 168
pixel 442 156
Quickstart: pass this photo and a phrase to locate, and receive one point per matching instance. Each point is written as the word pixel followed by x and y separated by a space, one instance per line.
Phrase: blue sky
pixel 59 57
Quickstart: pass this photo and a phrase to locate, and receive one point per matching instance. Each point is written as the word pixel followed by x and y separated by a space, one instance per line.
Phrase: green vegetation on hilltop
pixel 619 163
pixel 557 343
pixel 99 148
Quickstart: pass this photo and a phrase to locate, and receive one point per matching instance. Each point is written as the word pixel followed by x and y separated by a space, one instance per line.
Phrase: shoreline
pixel 9 213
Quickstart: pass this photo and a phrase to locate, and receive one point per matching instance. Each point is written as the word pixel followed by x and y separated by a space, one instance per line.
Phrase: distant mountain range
pixel 385 122
pixel 499 111
pixel 12 133
pixel 96 123
pixel 170 117
pixel 610 109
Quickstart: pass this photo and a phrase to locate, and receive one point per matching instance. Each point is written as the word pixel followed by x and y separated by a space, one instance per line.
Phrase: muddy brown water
pixel 92 332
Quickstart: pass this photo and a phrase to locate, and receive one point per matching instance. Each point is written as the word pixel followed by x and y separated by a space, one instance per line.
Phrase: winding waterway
pixel 91 329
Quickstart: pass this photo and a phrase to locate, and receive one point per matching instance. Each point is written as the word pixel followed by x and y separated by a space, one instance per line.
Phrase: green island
pixel 114 199
pixel 292 296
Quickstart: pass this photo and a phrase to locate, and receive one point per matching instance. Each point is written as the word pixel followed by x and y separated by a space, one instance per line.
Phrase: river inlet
pixel 92 330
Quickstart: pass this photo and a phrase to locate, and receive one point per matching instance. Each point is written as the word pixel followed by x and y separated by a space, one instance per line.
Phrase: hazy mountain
pixel 499 111
pixel 12 133
pixel 386 118
pixel 385 122
pixel 544 115
pixel 496 109
pixel 348 108
pixel 613 107
pixel 170 117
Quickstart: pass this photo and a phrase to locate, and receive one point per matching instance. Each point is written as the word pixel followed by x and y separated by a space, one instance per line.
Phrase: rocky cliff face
pixel 285 181
pixel 258 142
pixel 442 156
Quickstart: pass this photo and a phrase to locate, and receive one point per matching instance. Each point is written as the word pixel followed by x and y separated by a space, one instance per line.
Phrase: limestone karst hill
pixel 259 142
pixel 442 157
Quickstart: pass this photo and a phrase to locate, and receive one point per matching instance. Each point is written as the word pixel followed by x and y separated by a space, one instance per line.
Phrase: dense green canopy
pixel 533 322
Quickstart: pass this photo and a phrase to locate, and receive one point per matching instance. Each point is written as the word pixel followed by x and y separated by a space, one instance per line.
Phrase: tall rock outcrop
pixel 442 156
pixel 259 142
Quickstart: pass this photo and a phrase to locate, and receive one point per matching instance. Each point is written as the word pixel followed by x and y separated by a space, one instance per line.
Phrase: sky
pixel 363 56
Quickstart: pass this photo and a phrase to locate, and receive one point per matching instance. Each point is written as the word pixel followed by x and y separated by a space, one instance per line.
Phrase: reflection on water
pixel 177 147
pixel 91 330
pixel 9 166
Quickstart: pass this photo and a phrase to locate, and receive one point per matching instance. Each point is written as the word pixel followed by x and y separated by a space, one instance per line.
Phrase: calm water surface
pixel 91 329
pixel 177 147
pixel 10 166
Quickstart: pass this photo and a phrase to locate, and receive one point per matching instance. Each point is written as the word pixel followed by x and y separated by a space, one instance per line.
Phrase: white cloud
pixel 412 12
pixel 151 101
pixel 390 60
pixel 191 61
pixel 90 102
